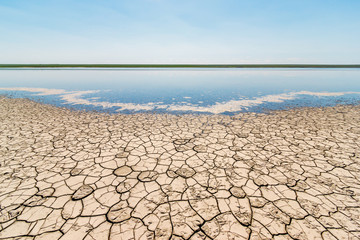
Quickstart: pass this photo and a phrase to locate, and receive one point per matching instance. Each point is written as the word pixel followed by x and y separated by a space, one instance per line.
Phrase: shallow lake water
pixel 210 91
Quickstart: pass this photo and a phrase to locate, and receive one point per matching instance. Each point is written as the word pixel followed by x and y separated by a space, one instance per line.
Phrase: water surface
pixel 225 91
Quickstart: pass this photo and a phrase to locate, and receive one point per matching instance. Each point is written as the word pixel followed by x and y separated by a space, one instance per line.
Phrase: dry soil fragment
pixel 123 171
pixel 148 176
pixel 72 209
pixel 242 135
pixel 237 192
pixel 171 174
pixel 10 213
pixel 46 192
pixel 241 209
pixel 225 226
pixel 122 154
pixel 185 172
pixel 17 229
pixel 181 141
pixel 34 201
pixel 82 192
pixel 123 187
pixel 119 212
pixel 200 149
pixel 75 171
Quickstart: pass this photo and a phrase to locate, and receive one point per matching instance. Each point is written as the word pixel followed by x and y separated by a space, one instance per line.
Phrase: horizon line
pixel 184 65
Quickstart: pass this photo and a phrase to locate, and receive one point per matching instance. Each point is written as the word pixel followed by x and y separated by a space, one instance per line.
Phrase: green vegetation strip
pixel 179 66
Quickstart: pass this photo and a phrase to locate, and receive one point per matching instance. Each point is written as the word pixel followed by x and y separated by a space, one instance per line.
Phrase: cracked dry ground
pixel 71 175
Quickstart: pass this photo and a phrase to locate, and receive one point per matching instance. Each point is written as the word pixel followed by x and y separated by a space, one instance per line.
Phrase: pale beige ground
pixel 286 175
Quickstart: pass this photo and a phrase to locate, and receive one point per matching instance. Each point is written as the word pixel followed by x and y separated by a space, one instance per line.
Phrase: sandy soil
pixel 75 175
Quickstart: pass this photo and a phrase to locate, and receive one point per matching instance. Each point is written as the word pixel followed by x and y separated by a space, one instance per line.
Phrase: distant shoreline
pixel 22 66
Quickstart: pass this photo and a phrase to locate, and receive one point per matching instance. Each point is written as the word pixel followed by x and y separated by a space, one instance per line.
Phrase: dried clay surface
pixel 78 175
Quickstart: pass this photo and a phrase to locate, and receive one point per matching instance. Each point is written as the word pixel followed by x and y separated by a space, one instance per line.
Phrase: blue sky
pixel 179 31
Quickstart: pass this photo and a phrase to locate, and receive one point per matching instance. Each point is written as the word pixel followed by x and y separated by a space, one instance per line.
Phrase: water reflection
pixel 179 91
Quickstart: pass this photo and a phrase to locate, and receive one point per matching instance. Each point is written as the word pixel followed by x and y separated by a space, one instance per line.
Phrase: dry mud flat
pixel 286 175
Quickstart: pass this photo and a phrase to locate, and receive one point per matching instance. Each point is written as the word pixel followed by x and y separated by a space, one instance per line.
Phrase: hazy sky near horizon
pixel 174 31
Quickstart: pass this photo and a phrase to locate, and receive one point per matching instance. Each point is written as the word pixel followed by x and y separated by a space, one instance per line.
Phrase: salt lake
pixel 178 91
